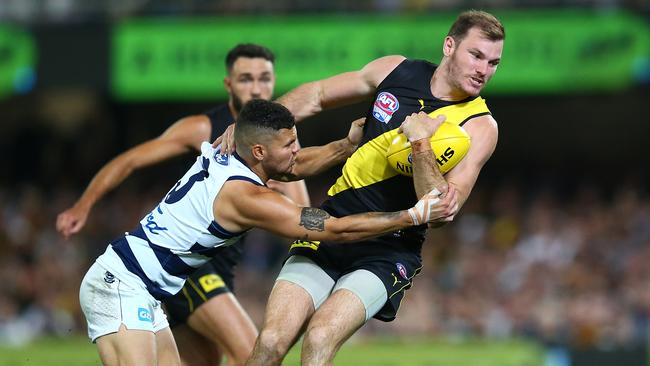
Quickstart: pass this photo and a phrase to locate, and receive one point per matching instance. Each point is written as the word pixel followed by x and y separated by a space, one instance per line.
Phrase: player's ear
pixel 448 46
pixel 227 84
pixel 258 151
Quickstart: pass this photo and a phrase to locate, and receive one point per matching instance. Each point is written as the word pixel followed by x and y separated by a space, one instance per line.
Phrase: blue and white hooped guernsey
pixel 180 234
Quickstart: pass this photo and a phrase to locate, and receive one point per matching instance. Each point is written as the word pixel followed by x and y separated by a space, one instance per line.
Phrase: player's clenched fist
pixel 419 126
pixel 356 131
pixel 71 220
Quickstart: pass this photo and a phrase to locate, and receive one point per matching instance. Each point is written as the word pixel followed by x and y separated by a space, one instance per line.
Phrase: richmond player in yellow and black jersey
pixel 368 183
pixel 330 292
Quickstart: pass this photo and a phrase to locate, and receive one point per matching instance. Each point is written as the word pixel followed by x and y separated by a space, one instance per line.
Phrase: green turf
pixel 80 352
pixel 433 353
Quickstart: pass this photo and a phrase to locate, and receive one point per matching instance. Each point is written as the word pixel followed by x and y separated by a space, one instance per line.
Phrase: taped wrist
pixel 420 213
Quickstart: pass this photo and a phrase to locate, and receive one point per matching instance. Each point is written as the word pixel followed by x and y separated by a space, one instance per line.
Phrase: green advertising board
pixel 545 51
pixel 17 60
pixel 572 51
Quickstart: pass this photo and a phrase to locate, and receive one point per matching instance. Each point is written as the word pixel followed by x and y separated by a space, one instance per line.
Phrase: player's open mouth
pixel 476 82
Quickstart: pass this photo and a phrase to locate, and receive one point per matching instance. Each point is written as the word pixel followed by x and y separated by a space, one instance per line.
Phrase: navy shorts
pixel 212 279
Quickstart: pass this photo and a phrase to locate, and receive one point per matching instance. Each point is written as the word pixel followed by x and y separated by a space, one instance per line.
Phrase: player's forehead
pixel 476 40
pixel 286 135
pixel 251 65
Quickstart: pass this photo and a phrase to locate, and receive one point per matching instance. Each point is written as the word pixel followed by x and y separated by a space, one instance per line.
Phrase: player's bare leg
pixel 128 347
pixel 195 349
pixel 223 321
pixel 288 309
pixel 342 314
pixel 166 351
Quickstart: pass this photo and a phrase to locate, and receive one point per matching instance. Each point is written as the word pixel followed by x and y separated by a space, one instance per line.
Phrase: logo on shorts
pixel 210 282
pixel 402 271
pixel 109 277
pixel 311 244
pixel 384 107
pixel 220 158
pixel 396 281
pixel 145 315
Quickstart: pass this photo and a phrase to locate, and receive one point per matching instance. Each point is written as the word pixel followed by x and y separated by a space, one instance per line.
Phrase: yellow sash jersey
pixel 368 183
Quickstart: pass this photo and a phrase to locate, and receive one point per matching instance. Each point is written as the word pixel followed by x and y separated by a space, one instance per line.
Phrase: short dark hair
pixel 249 50
pixel 258 117
pixel 487 23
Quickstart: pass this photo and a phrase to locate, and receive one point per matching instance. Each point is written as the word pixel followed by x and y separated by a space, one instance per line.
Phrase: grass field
pixel 79 352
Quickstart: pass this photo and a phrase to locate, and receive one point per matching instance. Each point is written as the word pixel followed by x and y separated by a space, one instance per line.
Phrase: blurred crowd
pixel 520 261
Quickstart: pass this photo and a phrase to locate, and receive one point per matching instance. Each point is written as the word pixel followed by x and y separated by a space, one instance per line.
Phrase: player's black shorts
pixel 212 279
pixel 395 259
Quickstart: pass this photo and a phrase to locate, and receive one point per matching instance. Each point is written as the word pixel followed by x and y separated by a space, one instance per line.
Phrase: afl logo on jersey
pixel 402 271
pixel 384 107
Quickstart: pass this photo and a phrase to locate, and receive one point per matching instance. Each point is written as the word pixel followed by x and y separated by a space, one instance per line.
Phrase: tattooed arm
pixel 241 205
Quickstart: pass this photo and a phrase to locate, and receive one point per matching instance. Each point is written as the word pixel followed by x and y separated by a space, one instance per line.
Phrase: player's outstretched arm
pixel 311 98
pixel 242 205
pixel 314 160
pixel 295 190
pixel 177 139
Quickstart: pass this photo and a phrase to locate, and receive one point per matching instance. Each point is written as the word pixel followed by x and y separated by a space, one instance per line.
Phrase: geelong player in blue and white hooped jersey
pixel 180 234
pixel 206 318
pixel 216 201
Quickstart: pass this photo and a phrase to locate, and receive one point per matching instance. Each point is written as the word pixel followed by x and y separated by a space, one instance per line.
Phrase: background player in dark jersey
pixel 205 313
pixel 331 292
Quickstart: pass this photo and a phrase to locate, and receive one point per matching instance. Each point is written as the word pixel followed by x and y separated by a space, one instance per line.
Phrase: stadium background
pixel 547 265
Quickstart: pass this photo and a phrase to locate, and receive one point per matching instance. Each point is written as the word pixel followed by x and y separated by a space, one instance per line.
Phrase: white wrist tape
pixel 420 213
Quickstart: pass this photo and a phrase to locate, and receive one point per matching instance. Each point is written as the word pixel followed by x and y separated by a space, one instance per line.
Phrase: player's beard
pixel 456 78
pixel 283 175
pixel 237 103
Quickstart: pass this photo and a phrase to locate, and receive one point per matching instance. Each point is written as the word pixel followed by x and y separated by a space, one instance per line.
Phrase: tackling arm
pixel 296 190
pixel 316 159
pixel 241 205
pixel 179 138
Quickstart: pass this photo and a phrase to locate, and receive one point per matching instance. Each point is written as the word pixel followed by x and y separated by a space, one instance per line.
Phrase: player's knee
pixel 273 343
pixel 320 337
pixel 240 355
